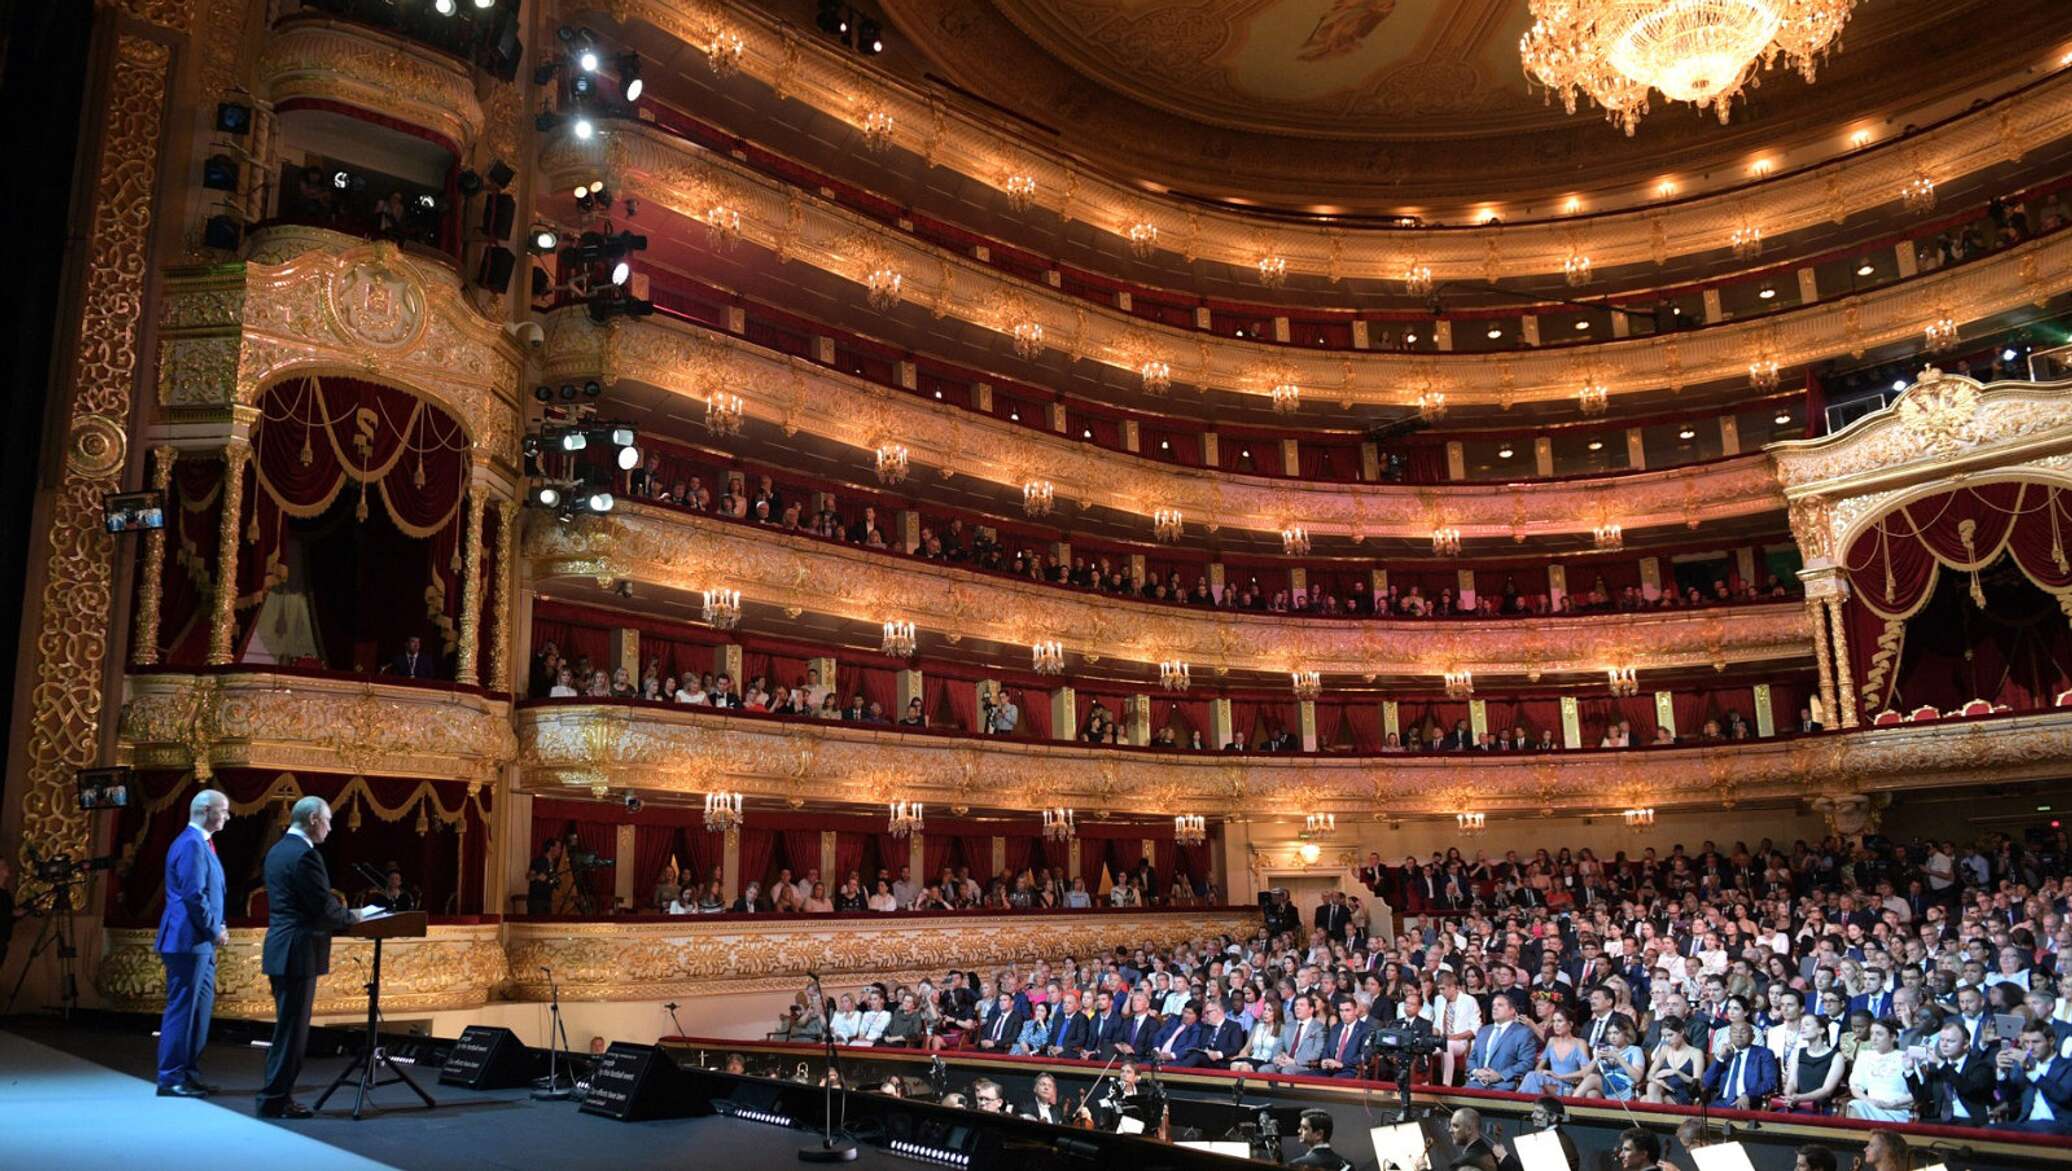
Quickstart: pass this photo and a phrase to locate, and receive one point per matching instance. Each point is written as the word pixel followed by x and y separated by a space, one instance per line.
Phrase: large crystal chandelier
pixel 904 818
pixel 1058 824
pixel 1189 829
pixel 899 640
pixel 1173 675
pixel 722 812
pixel 722 608
pixel 1047 657
pixel 1705 52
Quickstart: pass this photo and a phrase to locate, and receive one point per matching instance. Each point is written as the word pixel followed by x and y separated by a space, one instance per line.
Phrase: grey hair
pixel 204 800
pixel 306 809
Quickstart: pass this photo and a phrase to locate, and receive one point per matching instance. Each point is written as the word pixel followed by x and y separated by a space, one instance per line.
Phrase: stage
pixel 80 1098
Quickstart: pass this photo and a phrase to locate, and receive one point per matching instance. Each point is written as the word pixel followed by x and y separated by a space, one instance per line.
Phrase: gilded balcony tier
pixel 698 955
pixel 693 362
pixel 565 747
pixel 980 145
pixel 674 550
pixel 455 966
pixel 801 226
pixel 268 720
pixel 314 302
pixel 310 58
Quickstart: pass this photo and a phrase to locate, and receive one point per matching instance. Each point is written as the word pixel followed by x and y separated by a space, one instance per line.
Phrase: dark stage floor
pixel 468 1129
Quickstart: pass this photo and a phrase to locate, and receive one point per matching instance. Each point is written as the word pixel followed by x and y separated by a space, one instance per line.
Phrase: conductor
pixel 302 914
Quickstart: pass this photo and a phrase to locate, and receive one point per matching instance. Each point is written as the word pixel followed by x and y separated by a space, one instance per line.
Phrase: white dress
pixel 1880 1076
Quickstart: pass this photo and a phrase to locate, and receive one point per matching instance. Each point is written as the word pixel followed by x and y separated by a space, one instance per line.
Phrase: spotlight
pixel 485 5
pixel 1687 434
pixel 543 122
pixel 543 393
pixel 832 18
pixel 501 174
pixel 443 7
pixel 1504 452
pixel 1783 418
pixel 582 86
pixel 629 458
pixel 600 502
pixel 621 272
pixel 340 180
pixel 1496 333
pixel 568 392
pixel 1864 267
pixel 623 436
pixel 233 118
pixel 583 128
pixel 471 183
pixel 1899 384
pixel 1768 291
pixel 592 388
pixel 1582 325
pixel 219 173
pixel 543 241
pixel 630 84
pixel 546 496
pixel 586 58
pixel 2008 354
pixel 1597 445
pixel 868 39
pixel 574 441
pixel 222 231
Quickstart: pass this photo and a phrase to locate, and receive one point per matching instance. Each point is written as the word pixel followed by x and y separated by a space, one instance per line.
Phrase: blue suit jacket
pixel 1879 1004
pixel 1226 1039
pixel 1100 1031
pixel 1180 1038
pixel 1361 1026
pixel 1512 1055
pixel 1759 1077
pixel 1139 1032
pixel 193 897
pixel 2054 1083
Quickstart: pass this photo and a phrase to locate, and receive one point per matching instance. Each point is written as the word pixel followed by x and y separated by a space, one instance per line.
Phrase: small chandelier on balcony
pixel 1039 497
pixel 892 463
pixel 1446 541
pixel 1623 680
pixel 1594 398
pixel 883 283
pixel 1167 524
pixel 722 225
pixel 903 819
pixel 1942 332
pixel 1639 819
pixel 1308 684
pixel 1577 269
pixel 723 608
pixel 1172 675
pixel 1763 374
pixel 1190 829
pixel 1747 242
pixel 1320 823
pixel 1608 536
pixel 1047 657
pixel 1058 825
pixel 1287 396
pixel 1295 541
pixel 1028 338
pixel 1470 822
pixel 723 51
pixel 722 812
pixel 877 128
pixel 1459 684
pixel 1158 375
pixel 1417 279
pixel 1021 190
pixel 1273 271
pixel 724 413
pixel 1143 238
pixel 1918 193
pixel 899 639
pixel 1431 404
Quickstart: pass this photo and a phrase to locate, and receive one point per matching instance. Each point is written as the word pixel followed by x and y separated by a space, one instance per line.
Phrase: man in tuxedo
pixel 1955 1085
pixel 1344 1040
pixel 1003 1028
pixel 189 932
pixel 413 663
pixel 302 915
pixel 1503 1052
pixel 1217 1040
pixel 1314 1132
pixel 1332 915
pixel 1045 1106
pixel 1746 1075
pixel 2038 1082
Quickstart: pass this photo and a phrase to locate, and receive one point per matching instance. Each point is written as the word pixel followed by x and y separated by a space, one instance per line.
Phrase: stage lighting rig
pixel 858 30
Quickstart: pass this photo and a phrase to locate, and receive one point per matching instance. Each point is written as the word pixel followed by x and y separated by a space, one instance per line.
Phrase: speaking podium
pixel 372 1057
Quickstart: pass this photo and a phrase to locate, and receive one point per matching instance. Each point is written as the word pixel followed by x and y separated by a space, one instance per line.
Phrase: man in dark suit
pixel 1003 1028
pixel 2037 1082
pixel 1332 915
pixel 1217 1040
pixel 189 932
pixel 1314 1132
pixel 1344 1040
pixel 1180 1032
pixel 1955 1085
pixel 1745 1075
pixel 413 663
pixel 302 915
pixel 1067 1028
pixel 1100 1030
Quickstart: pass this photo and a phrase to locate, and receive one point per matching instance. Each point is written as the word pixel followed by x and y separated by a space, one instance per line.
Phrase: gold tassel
pixel 352 817
pixel 252 529
pixel 360 510
pixel 424 825
pixel 1978 594
pixel 418 479
pixel 309 456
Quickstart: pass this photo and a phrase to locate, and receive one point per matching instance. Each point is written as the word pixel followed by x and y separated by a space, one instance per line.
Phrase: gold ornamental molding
pixel 310 301
pixel 661 547
pixel 360 66
pixel 258 719
pixel 799 65
pixel 694 362
pixel 575 747
pixel 691 181
pixel 689 957
pixel 452 967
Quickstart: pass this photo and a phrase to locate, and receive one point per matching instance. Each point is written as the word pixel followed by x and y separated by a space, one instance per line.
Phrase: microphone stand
pixel 830 1148
pixel 557 1037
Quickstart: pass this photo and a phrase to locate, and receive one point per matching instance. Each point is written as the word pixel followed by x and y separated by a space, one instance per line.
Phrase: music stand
pixel 402 925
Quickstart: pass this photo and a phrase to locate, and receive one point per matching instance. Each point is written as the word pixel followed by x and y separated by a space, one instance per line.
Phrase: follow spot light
pixel 629 458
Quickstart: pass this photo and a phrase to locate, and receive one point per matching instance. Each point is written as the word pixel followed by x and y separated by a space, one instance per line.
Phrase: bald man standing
pixel 302 915
pixel 190 929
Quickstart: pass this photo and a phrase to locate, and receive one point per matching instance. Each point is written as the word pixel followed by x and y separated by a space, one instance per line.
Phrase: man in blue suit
pixel 1746 1075
pixel 1217 1040
pixel 1179 1034
pixel 2038 1082
pixel 1344 1040
pixel 189 932
pixel 1503 1052
pixel 1136 1031
pixel 1100 1029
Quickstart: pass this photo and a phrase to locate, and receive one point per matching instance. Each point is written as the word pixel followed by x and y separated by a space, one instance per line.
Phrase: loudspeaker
pixel 487 1058
pixel 499 214
pixel 637 1082
pixel 494 273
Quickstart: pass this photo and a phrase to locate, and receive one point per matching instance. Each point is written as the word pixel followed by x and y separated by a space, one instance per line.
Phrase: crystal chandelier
pixel 1431 404
pixel 1320 823
pixel 1273 271
pixel 1594 398
pixel 1028 338
pixel 1471 823
pixel 1021 190
pixel 722 225
pixel 1942 332
pixel 1918 194
pixel 1167 525
pixel 723 51
pixel 1057 824
pixel 1446 541
pixel 1287 397
pixel 1639 819
pixel 1705 52
pixel 1623 680
pixel 724 413
pixel 1158 375
pixel 1747 242
pixel 1459 684
pixel 903 819
pixel 1143 238
pixel 1172 675
pixel 1308 684
pixel 1577 269
pixel 1047 657
pixel 723 608
pixel 899 639
pixel 1608 536
pixel 884 283
pixel 1417 280
pixel 1762 374
pixel 722 812
pixel 877 128
pixel 1295 541
pixel 892 463
pixel 1189 829
pixel 1038 497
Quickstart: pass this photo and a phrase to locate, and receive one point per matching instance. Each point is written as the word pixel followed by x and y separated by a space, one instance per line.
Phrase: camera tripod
pixel 58 928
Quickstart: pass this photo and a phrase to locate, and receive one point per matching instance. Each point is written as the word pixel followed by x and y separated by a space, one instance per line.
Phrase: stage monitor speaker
pixel 494 273
pixel 634 1083
pixel 487 1058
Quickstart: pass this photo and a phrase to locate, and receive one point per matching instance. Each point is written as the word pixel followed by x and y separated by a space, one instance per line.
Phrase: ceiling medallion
pixel 1704 52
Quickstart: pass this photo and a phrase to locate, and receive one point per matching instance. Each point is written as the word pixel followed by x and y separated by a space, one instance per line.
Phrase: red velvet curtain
pixel 193 511
pixel 978 855
pixel 757 845
pixel 653 846
pixel 1016 852
pixel 1035 706
pixel 801 853
pixel 849 855
pixel 1365 717
pixel 1196 861
pixel 935 854
pixel 703 852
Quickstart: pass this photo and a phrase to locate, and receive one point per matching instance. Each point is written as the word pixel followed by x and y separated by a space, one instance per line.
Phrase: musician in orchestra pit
pixel 986 1095
pixel 1473 1150
pixel 1314 1132
pixel 1124 1096
pixel 302 915
pixel 1045 1107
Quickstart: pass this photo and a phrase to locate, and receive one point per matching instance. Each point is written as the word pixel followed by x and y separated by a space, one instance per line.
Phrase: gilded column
pixel 1845 688
pixel 506 582
pixel 1816 614
pixel 146 653
pixel 223 613
pixel 470 589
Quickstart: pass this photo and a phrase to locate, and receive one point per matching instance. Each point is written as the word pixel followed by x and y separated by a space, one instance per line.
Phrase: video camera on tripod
pixel 61 870
pixel 589 860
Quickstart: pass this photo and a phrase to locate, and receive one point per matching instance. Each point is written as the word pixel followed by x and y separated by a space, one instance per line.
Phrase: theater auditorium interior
pixel 1000 584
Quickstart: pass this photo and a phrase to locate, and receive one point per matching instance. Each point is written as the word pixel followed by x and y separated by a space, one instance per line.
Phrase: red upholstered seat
pixel 1924 712
pixel 1886 717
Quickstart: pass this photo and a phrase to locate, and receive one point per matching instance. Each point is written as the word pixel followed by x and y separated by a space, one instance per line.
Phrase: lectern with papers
pixel 364 1065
